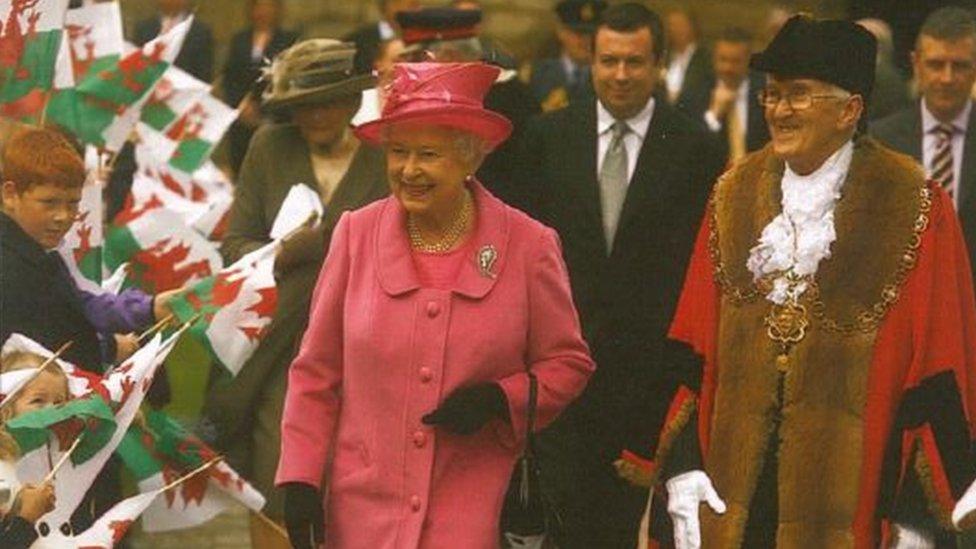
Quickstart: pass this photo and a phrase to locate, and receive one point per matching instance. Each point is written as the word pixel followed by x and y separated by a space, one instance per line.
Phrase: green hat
pixel 315 71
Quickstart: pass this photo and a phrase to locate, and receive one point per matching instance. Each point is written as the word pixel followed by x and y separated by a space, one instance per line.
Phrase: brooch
pixel 487 257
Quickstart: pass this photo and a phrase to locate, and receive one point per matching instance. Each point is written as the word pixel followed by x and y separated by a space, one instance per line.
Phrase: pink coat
pixel 381 351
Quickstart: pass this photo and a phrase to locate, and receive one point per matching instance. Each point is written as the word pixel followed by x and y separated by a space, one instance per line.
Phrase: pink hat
pixel 442 94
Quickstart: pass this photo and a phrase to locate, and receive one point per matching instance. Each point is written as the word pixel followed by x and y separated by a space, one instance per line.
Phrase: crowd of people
pixel 670 292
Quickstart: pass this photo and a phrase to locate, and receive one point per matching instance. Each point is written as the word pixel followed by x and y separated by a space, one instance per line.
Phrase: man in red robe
pixel 826 333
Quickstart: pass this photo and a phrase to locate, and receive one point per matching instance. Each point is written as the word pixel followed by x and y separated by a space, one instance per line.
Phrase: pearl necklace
pixel 449 240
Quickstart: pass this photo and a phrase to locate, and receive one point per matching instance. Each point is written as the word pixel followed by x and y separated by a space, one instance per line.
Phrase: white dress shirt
pixel 930 143
pixel 741 110
pixel 633 140
pixel 386 31
pixel 677 69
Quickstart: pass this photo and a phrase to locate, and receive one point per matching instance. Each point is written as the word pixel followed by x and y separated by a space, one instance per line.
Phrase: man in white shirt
pixel 623 178
pixel 935 131
pixel 689 63
pixel 369 37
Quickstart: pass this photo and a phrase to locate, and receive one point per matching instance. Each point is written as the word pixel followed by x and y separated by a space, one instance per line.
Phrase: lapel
pixel 648 174
pixel 357 184
pixel 967 179
pixel 397 274
pixel 581 165
pixel 913 135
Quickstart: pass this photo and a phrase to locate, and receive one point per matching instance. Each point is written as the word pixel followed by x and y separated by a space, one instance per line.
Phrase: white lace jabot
pixel 797 239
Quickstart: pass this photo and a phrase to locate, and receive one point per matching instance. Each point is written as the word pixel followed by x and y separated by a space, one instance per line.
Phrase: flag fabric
pixel 235 306
pixel 30 39
pixel 111 527
pixel 197 132
pixel 12 382
pixel 89 417
pixel 92 43
pixel 160 451
pixel 175 93
pixel 162 251
pixel 302 205
pixel 124 390
pixel 78 384
pixel 81 248
pixel 103 108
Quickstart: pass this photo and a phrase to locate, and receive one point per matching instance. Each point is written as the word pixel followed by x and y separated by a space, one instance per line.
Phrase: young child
pixel 22 506
pixel 40 186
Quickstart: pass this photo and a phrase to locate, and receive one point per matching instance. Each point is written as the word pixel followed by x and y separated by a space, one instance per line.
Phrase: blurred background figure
pixel 449 35
pixel 314 86
pixel 689 64
pixel 890 89
pixel 494 53
pixel 777 16
pixel 557 82
pixel 250 49
pixel 727 102
pixel 197 55
pixel 369 37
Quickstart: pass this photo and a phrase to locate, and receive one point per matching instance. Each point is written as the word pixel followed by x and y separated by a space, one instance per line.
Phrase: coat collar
pixel 396 271
pixel 12 236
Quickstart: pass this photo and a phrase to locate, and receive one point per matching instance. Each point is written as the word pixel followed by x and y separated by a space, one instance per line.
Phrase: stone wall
pixel 522 26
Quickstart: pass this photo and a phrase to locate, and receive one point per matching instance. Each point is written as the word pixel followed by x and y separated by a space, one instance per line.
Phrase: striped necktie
pixel 941 170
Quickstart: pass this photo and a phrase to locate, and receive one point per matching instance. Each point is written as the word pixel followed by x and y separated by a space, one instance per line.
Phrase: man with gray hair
pixel 369 37
pixel 935 131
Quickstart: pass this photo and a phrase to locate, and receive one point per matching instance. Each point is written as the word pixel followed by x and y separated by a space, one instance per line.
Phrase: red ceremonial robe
pixel 898 285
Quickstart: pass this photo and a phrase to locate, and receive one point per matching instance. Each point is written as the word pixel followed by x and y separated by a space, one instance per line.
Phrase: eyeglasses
pixel 797 100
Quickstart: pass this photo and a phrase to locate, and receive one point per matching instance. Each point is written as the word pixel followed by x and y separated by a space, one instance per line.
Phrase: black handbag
pixel 529 520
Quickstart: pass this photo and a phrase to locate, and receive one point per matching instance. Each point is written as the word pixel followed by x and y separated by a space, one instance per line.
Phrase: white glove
pixel 685 493
pixel 909 538
pixel 965 508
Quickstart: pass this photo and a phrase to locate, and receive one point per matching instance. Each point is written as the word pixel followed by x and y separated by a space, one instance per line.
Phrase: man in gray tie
pixel 935 131
pixel 623 178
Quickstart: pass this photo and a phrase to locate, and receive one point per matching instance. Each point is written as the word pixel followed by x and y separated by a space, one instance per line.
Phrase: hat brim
pixel 323 94
pixel 490 126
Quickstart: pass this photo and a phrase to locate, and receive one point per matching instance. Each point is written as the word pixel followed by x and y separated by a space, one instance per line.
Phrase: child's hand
pixel 125 346
pixel 33 502
pixel 161 303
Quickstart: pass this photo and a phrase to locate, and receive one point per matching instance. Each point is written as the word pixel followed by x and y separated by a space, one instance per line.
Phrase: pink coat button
pixel 415 503
pixel 433 309
pixel 426 375
pixel 419 439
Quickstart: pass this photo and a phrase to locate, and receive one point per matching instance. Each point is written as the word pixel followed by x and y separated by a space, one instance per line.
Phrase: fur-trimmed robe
pixel 874 394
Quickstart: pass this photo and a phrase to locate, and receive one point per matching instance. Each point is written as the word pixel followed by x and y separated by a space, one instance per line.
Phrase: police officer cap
pixel 838 52
pixel 580 15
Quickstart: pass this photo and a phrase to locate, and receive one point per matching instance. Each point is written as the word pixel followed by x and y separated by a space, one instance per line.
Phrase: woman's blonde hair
pixel 13 361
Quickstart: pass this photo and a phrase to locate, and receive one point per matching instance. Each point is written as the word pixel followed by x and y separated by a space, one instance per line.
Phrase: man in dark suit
pixel 369 37
pixel 727 102
pixel 936 129
pixel 556 82
pixel 197 54
pixel 689 63
pixel 623 178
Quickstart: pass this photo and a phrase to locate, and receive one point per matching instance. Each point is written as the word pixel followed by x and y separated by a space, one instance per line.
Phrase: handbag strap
pixel 530 414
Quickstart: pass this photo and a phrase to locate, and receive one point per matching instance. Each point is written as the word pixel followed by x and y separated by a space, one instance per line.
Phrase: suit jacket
pixel 697 75
pixel 902 131
pixel 549 77
pixel 513 100
pixel 38 300
pixel 279 158
pixel 197 54
pixel 241 72
pixel 367 40
pixel 625 300
pixel 699 97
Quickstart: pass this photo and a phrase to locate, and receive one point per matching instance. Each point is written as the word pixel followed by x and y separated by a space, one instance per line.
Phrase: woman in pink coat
pixel 430 308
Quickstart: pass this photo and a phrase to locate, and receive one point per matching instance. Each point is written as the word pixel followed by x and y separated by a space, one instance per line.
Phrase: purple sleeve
pixel 130 311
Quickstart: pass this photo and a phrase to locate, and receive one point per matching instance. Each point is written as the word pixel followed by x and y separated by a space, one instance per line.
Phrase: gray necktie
pixel 613 181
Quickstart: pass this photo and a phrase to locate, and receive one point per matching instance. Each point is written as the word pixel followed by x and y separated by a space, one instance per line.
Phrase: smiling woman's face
pixel 426 168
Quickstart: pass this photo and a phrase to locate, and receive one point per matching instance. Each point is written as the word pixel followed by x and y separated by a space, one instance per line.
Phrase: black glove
pixel 468 409
pixel 303 515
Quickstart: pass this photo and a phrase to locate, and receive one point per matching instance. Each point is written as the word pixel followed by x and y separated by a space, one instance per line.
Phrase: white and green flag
pixel 30 39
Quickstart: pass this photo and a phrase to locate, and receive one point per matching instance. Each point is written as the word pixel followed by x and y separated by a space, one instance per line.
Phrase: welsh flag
pixel 236 306
pixel 123 389
pixel 81 248
pixel 157 186
pixel 30 38
pixel 89 417
pixel 93 43
pixel 104 107
pixel 198 131
pixel 176 92
pixel 163 253
pixel 111 527
pixel 161 451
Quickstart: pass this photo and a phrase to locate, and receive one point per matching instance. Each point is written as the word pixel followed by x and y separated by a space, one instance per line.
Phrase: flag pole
pixel 156 327
pixel 57 354
pixel 270 522
pixel 192 474
pixel 63 460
